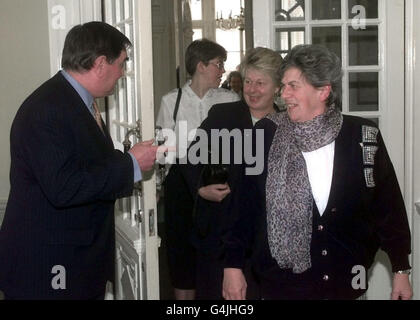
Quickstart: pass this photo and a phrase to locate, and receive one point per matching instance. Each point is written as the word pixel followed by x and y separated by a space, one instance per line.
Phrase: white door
pixel 224 22
pixel 369 38
pixel 62 16
pixel 131 115
pixel 183 35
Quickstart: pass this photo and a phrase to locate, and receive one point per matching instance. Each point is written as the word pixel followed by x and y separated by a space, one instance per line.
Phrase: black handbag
pixel 215 174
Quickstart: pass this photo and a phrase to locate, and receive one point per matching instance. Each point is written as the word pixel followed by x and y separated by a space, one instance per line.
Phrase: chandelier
pixel 236 22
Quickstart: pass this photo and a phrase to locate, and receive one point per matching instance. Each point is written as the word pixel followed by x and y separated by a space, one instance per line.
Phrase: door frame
pixel 412 133
pixel 143 42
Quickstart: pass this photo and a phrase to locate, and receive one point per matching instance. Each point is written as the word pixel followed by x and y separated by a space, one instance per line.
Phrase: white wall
pixel 63 15
pixel 413 133
pixel 262 23
pixel 164 60
pixel 24 65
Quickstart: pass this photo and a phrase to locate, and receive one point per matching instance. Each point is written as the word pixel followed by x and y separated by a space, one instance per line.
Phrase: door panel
pixel 131 119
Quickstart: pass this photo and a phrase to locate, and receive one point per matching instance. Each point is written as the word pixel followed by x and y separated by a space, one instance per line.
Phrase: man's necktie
pixel 97 115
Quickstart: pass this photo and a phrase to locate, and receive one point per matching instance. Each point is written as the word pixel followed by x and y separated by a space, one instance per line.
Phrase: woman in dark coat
pixel 327 199
pixel 230 124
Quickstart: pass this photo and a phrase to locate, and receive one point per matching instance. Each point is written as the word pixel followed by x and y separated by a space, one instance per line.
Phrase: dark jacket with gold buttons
pixel 365 212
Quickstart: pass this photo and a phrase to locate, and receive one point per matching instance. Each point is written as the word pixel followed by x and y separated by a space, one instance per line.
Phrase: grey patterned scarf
pixel 289 200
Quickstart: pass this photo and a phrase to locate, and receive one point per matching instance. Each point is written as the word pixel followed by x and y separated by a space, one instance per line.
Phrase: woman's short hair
pixel 202 50
pixel 319 66
pixel 264 60
pixel 85 43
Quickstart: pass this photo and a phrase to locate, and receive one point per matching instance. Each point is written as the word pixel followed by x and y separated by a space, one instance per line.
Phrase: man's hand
pixel 214 192
pixel 234 284
pixel 145 153
pixel 401 288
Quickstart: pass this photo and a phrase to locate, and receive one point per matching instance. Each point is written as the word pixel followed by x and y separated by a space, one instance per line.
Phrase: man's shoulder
pixel 48 96
pixel 53 87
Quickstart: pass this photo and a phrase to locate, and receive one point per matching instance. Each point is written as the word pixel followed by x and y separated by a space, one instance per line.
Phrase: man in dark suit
pixel 57 238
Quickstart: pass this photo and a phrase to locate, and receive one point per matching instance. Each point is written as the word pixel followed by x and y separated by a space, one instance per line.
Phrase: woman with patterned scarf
pixel 327 200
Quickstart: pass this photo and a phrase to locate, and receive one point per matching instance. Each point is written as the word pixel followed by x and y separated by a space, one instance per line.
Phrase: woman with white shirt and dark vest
pixel 327 200
pixel 183 110
pixel 211 188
